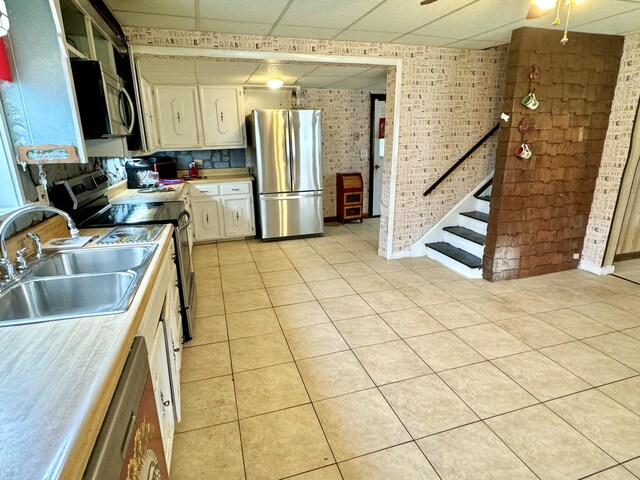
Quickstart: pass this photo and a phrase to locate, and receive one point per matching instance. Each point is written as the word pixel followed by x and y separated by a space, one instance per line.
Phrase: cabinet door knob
pixel 177 349
pixel 166 403
pixel 235 189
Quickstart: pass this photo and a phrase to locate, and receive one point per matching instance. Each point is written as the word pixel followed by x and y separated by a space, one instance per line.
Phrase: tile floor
pixel 317 359
pixel 629 269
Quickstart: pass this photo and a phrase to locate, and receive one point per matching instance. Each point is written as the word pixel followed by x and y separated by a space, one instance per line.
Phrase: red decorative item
pixel 381 128
pixel 5 71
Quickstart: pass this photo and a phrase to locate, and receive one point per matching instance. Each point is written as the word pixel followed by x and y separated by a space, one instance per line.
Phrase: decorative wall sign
pixel 48 153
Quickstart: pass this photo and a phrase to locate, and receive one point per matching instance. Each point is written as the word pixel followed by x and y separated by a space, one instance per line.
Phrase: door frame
pixel 397 63
pixel 374 97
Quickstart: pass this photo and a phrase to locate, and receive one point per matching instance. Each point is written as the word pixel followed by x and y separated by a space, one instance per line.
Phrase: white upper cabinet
pixel 178 116
pixel 222 120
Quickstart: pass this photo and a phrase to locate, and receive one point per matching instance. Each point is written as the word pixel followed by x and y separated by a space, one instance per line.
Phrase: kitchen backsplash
pixel 232 158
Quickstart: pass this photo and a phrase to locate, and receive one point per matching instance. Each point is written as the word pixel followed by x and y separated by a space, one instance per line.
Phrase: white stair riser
pixel 464 244
pixel 454 265
pixel 482 206
pixel 473 224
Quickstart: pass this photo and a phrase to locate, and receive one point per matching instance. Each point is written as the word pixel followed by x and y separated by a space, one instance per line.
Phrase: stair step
pixel 467 234
pixel 486 198
pixel 458 255
pixel 482 217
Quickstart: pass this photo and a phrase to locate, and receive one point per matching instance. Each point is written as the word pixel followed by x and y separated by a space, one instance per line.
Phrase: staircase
pixel 462 246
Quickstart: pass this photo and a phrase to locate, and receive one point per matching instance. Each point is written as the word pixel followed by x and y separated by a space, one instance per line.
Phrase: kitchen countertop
pixel 57 379
pixel 240 177
pixel 132 195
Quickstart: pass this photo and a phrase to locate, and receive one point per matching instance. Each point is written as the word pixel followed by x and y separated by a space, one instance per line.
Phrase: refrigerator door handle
pixel 288 146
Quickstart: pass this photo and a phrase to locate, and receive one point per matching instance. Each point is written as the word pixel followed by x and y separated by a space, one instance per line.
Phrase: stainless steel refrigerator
pixel 286 159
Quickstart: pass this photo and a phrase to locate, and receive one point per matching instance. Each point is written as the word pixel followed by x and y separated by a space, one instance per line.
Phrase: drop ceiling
pixel 476 24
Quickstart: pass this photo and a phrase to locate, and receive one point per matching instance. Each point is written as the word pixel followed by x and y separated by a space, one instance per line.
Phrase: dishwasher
pixel 129 445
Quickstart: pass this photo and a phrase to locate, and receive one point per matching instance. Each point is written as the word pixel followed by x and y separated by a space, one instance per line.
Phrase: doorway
pixel 378 120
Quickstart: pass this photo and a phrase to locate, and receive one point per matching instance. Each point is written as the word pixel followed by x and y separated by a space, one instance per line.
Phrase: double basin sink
pixel 76 283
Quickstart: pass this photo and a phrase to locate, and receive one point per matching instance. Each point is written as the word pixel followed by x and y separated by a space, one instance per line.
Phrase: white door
pixel 178 120
pixel 159 367
pixel 378 154
pixel 237 216
pixel 222 123
pixel 207 219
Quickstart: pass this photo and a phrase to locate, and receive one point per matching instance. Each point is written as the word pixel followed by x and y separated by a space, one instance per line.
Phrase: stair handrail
pixel 461 161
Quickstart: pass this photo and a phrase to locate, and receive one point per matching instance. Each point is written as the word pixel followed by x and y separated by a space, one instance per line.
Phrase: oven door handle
pixel 186 224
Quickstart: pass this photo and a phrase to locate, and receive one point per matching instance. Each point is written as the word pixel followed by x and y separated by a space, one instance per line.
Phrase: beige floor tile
pixel 314 241
pixel 487 390
pixel 391 362
pixel 330 288
pixel 565 296
pixel 633 332
pixel 634 467
pixel 494 308
pixel 368 283
pixel 266 266
pixel 363 331
pixel 497 288
pixel 387 301
pixel 630 303
pixel 315 340
pixel 615 473
pixel 205 361
pixel 206 403
pixel 222 457
pixel 455 315
pixel 209 305
pixel 252 323
pixel 329 248
pixel 202 259
pixel 462 289
pixel 625 392
pixel 534 332
pixel 301 315
pixel 244 301
pixel 426 405
pixel 342 308
pixel 269 389
pixel 412 322
pixel 401 462
pixel 428 294
pixel 337 258
pixel 588 363
pixel 443 351
pixel 208 281
pixel 332 375
pixel 248 268
pixel 266 255
pixel 383 266
pixel 292 243
pixel 610 315
pixel 208 330
pixel 283 443
pixel 404 279
pixel 353 269
pixel 233 258
pixel 370 254
pixel 473 452
pixel 530 302
pixel 530 283
pixel 260 246
pixel 281 278
pixel 418 263
pixel 326 473
pixel 241 282
pixel 438 274
pixel 314 274
pixel 260 351
pixel 604 421
pixel 360 423
pixel 575 324
pixel 541 377
pixel 619 346
pixel 549 446
pixel 289 294
pixel 490 340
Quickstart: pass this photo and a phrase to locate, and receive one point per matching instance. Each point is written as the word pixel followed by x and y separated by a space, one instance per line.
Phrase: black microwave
pixel 106 108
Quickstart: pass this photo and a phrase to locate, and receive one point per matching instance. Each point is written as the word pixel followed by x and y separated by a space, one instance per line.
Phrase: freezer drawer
pixel 291 214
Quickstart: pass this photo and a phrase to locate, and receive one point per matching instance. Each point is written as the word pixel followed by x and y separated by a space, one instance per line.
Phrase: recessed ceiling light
pixel 274 83
pixel 544 4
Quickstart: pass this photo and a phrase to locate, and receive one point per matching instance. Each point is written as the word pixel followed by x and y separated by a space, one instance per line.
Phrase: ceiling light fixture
pixel 540 8
pixel 275 83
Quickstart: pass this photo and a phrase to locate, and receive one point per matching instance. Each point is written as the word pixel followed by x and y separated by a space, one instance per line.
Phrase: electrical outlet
pixel 198 162
pixel 43 196
pixel 364 154
pixel 576 256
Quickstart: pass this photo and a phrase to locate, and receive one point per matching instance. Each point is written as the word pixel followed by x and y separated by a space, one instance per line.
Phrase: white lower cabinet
pixel 222 211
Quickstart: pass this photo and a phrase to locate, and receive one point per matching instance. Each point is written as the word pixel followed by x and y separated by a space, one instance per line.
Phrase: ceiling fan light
pixel 274 83
pixel 544 4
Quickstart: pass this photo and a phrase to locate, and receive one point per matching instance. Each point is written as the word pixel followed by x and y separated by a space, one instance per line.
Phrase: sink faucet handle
pixel 8 269
pixel 37 243
pixel 20 260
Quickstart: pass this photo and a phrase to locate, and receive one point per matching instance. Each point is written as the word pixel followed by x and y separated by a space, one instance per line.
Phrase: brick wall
pixel 540 206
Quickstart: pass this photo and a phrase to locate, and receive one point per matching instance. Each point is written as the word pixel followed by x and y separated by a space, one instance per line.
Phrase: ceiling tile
pixel 379 86
pixel 374 73
pixel 616 24
pixel 262 11
pixel 333 70
pixel 181 8
pixel 406 15
pixel 218 66
pixel 154 21
pixel 474 44
pixel 362 36
pixel 170 78
pixel 304 32
pixel 354 83
pixel 317 82
pixel 412 39
pixel 261 79
pixel 167 65
pixel 229 26
pixel 327 13
pixel 291 69
pixel 223 78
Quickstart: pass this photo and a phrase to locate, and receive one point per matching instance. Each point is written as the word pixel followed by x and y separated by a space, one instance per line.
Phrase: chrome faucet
pixel 37 243
pixel 6 264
